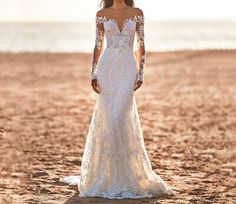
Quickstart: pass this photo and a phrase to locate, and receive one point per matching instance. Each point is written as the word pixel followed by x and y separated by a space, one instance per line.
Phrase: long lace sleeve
pixel 98 45
pixel 140 47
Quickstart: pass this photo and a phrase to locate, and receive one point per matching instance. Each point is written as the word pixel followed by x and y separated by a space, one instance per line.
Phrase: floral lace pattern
pixel 140 73
pixel 98 46
pixel 115 162
pixel 140 48
pixel 94 71
pixel 117 38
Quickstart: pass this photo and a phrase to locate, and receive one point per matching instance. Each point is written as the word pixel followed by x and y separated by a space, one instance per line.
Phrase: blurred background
pixel 68 25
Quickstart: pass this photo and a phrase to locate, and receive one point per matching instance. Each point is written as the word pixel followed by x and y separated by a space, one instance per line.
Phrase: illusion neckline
pixel 124 22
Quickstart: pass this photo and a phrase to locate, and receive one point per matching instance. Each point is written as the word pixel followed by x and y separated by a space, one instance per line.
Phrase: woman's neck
pixel 119 4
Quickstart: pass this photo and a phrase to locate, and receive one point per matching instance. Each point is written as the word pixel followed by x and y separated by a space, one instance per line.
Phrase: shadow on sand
pixel 75 199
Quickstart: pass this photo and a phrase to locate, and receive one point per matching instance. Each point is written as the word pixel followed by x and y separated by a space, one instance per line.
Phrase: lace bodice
pixel 120 38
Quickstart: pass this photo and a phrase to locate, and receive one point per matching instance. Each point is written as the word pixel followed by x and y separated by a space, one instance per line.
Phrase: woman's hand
pixel 138 84
pixel 95 85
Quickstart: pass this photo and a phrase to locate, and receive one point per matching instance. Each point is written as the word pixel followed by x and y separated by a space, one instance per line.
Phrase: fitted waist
pixel 114 54
pixel 119 48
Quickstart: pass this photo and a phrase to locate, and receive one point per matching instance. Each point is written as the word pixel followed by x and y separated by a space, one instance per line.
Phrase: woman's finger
pixel 138 84
pixel 95 86
pixel 95 89
pixel 98 86
pixel 136 87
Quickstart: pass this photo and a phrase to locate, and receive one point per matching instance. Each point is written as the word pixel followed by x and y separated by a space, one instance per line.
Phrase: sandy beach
pixel 187 110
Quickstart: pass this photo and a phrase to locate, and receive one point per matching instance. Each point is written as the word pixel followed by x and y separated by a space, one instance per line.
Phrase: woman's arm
pixel 140 45
pixel 98 45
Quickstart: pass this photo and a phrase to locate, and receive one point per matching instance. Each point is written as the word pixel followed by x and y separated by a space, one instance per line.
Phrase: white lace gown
pixel 115 163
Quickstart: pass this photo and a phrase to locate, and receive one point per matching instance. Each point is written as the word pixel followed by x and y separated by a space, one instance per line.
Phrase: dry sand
pixel 187 109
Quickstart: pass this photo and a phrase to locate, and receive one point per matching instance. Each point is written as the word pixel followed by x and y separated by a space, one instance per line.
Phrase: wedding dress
pixel 115 163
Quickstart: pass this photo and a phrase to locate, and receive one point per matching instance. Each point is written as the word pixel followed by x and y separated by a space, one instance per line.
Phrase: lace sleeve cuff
pixel 94 71
pixel 140 74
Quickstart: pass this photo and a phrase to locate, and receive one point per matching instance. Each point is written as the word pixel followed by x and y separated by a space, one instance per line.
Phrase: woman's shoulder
pixel 107 11
pixel 138 11
pixel 102 12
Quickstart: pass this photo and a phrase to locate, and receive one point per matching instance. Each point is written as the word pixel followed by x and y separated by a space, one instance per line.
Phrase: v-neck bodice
pixel 119 36
pixel 123 24
pixel 119 41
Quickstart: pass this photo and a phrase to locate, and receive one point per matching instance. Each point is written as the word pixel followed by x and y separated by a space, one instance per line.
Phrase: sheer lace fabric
pixel 115 162
pixel 120 39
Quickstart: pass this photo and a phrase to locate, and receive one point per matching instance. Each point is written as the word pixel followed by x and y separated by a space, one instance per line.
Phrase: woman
pixel 115 163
